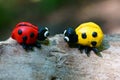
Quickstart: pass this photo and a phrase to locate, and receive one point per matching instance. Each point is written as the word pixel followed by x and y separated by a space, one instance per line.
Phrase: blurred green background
pixel 57 15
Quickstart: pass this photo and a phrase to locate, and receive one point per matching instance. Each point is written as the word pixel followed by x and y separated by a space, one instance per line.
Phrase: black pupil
pixel 32 35
pixel 19 32
pixel 84 36
pixel 94 34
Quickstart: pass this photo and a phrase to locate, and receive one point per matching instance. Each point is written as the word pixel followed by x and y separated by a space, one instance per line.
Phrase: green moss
pixel 105 45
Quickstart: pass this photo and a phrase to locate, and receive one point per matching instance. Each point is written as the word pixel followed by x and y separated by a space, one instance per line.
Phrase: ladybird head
pixel 43 33
pixel 70 36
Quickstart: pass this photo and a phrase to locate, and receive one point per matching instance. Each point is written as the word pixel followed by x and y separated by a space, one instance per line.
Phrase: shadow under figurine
pixel 28 35
pixel 87 36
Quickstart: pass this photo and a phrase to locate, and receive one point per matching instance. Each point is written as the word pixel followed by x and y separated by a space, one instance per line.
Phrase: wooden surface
pixel 57 61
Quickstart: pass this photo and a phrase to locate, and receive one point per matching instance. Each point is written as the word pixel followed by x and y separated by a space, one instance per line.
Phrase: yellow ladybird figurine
pixel 88 36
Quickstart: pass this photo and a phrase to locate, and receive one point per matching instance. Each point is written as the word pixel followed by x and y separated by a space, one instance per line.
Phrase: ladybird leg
pixel 24 46
pixel 30 47
pixel 38 45
pixel 87 51
pixel 27 47
pixel 81 48
pixel 96 51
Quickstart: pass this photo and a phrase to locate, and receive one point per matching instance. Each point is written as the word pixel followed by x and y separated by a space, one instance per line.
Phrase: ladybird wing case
pixel 85 34
pixel 23 24
pixel 26 31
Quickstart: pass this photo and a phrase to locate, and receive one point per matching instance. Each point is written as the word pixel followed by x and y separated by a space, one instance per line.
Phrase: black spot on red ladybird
pixel 31 34
pixel 19 31
pixel 24 38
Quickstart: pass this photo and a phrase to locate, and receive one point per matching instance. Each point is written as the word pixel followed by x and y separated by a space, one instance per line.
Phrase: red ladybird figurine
pixel 27 34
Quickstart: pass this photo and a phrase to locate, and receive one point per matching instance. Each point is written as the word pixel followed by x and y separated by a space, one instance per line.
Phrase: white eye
pixel 64 32
pixel 66 39
pixel 46 34
pixel 46 28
